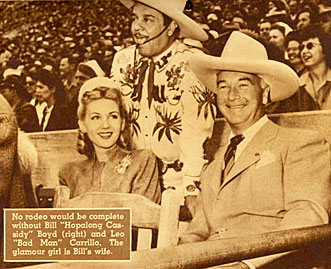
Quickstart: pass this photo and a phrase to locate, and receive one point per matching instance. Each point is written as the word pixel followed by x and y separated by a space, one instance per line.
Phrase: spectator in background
pixel 238 19
pixel 277 36
pixel 264 29
pixel 278 13
pixel 292 49
pixel 50 90
pixel 325 18
pixel 214 22
pixel 278 32
pixel 306 16
pixel 31 86
pixel 293 12
pixel 16 95
pixel 315 49
pixel 67 70
pixel 85 71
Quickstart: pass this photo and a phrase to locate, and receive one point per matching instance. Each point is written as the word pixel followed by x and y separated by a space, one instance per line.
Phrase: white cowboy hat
pixel 174 9
pixel 242 53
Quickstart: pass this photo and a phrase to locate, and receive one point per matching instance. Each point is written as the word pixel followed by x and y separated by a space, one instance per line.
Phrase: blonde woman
pixel 109 167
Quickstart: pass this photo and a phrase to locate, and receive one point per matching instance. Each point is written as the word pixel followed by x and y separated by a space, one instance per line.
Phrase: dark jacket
pixel 59 118
pixel 27 117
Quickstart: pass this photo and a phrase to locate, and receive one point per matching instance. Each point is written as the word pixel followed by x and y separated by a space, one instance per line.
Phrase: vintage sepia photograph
pixel 165 134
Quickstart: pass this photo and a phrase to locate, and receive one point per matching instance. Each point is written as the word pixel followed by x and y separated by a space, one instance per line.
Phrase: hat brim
pixel 188 27
pixel 282 80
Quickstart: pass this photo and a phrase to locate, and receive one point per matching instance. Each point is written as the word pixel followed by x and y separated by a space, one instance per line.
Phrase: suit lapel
pixel 215 169
pixel 253 151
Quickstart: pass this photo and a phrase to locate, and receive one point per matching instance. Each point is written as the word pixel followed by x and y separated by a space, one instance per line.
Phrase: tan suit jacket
pixel 280 181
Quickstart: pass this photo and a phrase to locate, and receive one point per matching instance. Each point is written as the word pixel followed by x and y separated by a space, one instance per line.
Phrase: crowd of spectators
pixel 60 36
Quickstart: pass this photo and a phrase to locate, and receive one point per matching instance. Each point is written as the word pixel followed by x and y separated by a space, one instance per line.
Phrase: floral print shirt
pixel 180 115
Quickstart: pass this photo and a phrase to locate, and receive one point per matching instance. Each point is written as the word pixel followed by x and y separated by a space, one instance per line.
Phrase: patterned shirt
pixel 175 116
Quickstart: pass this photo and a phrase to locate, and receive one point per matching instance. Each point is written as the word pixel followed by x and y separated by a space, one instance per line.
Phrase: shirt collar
pixel 162 60
pixel 305 78
pixel 112 153
pixel 252 130
pixel 249 135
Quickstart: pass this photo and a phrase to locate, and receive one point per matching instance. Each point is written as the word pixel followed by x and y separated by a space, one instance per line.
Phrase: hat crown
pixel 177 4
pixel 241 46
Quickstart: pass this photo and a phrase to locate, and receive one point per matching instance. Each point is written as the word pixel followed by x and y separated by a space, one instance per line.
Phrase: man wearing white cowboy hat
pixel 172 113
pixel 265 177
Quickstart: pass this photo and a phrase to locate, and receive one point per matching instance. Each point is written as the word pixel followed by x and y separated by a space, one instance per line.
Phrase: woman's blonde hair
pixel 84 144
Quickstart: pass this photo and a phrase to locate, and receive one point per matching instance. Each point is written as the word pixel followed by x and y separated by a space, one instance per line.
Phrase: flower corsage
pixel 123 165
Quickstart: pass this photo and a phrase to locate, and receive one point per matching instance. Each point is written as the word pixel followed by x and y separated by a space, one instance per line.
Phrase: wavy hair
pixel 84 144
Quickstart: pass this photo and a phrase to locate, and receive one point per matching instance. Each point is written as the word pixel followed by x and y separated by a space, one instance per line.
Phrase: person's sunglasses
pixel 309 46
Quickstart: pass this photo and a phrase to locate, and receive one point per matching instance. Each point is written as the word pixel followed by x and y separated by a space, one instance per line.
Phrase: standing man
pixel 266 177
pixel 67 69
pixel 170 111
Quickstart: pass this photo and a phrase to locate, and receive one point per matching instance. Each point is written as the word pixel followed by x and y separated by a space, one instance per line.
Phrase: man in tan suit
pixel 267 177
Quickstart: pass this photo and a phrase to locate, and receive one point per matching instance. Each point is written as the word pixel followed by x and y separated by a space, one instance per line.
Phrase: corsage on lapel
pixel 122 165
pixel 266 158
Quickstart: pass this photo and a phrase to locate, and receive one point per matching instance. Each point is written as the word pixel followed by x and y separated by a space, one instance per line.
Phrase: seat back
pixel 146 215
pixel 312 120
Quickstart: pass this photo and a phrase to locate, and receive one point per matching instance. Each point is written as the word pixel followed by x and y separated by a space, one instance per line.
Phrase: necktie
pixel 229 155
pixel 150 82
pixel 43 118
pixel 136 96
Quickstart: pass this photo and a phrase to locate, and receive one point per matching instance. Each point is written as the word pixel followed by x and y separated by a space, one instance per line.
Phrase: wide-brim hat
pixel 174 10
pixel 243 53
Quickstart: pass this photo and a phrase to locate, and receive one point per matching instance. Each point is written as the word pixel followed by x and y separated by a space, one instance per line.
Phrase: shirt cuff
pixel 249 264
pixel 190 186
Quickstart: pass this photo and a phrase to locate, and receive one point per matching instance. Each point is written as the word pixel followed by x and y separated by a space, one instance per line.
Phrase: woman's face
pixel 102 123
pixel 44 93
pixel 277 38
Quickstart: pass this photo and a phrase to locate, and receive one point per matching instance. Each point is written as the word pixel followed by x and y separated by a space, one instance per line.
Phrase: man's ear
pixel 82 126
pixel 265 95
pixel 172 28
pixel 53 89
pixel 265 91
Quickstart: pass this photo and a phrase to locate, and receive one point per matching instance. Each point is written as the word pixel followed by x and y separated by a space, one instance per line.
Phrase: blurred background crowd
pixel 71 41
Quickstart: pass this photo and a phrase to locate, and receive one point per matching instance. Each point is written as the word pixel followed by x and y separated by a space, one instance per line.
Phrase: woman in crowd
pixel 50 90
pixel 109 167
pixel 315 52
pixel 292 49
pixel 315 82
